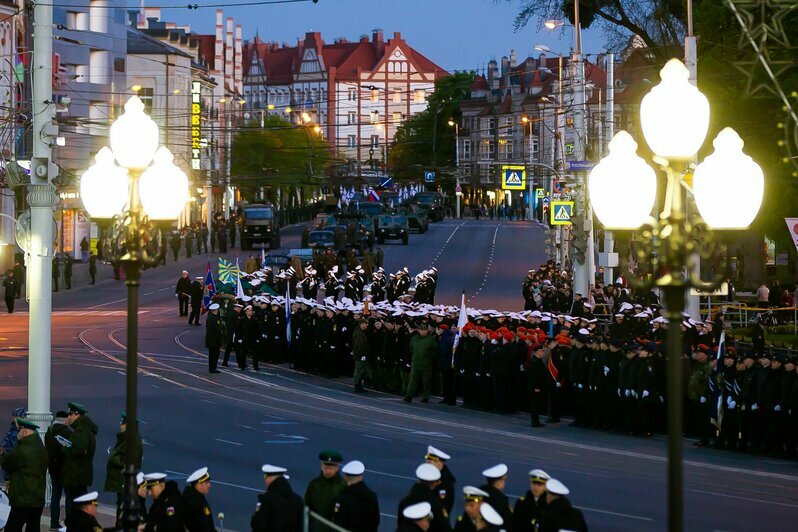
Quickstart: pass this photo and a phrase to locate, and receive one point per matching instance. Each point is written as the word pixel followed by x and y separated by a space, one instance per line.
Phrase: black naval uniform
pixel 446 489
pixel 213 339
pixel 499 501
pixel 167 511
pixel 80 521
pixel 526 517
pixel 422 493
pixel 198 515
pixel 279 509
pixel 357 509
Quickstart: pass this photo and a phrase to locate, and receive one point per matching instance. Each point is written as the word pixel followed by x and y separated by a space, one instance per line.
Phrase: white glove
pixel 627 393
pixel 606 371
pixel 462 372
pixel 362 359
pixel 63 441
pixel 634 394
pixel 731 404
pixel 579 386
pixel 777 408
pixel 558 385
pixel 645 394
pixel 520 367
pixel 702 400
pixel 754 407
pixel 619 392
pixel 661 399
pixel 343 329
pixel 478 374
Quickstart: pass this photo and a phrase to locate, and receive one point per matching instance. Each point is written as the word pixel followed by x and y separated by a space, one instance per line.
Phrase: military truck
pixel 432 202
pixel 259 224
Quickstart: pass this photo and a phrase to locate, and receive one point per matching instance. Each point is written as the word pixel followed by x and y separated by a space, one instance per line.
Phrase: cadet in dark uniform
pixel 197 290
pixel 489 519
pixel 467 521
pixel 183 292
pixel 356 508
pixel 167 513
pixel 324 489
pixel 496 478
pixel 528 509
pixel 27 464
pixel 77 469
pixel 559 514
pixel 115 466
pixel 198 516
pixel 213 336
pixel 424 490
pixel 445 487
pixel 536 381
pixel 416 517
pixel 279 508
pixel 83 516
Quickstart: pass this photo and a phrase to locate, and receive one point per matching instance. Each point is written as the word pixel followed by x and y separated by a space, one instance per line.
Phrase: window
pixel 397 96
pixel 466 149
pixel 535 146
pixel 145 95
pixel 492 126
pixel 98 16
pixel 507 126
pixel 351 118
pixel 419 96
pixel 375 117
pixel 396 118
pixel 375 95
pixel 351 141
pixel 352 94
pixel 119 64
pixel 375 141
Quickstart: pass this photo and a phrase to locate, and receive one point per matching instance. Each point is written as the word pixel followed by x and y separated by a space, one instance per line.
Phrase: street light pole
pixel 41 199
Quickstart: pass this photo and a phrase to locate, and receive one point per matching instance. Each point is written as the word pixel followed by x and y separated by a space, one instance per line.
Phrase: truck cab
pixel 259 225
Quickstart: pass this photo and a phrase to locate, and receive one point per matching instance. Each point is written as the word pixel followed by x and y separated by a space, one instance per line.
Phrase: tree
pixel 659 23
pixel 280 153
pixel 426 141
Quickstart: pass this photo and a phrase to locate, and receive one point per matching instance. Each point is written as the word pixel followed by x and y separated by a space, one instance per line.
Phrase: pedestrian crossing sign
pixel 513 177
pixel 561 212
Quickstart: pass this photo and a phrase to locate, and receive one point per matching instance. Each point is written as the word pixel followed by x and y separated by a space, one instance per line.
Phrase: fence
pixel 738 314
pixel 311 516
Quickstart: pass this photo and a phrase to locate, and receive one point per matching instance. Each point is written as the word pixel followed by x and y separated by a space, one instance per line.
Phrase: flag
pixel 462 321
pixel 228 272
pixel 239 288
pixel 210 288
pixel 392 203
pixel 373 196
pixel 339 204
pixel 716 385
pixel 262 258
pixel 288 314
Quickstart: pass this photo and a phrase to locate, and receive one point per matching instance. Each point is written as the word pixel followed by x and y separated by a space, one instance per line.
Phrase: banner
pixel 792 225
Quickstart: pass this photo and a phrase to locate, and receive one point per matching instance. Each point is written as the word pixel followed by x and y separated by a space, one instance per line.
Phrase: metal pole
pixel 41 199
pixel 674 304
pixel 457 195
pixel 609 242
pixel 529 177
pixel 691 62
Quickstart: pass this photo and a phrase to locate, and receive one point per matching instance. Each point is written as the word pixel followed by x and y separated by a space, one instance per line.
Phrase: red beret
pixel 493 335
pixel 508 335
pixel 443 326
pixel 563 340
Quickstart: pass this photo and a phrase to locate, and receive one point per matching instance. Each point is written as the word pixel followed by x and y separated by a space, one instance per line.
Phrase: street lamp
pixel 143 186
pixel 457 191
pixel 728 188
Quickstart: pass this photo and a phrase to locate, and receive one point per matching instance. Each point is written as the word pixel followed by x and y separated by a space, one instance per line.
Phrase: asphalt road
pixel 234 422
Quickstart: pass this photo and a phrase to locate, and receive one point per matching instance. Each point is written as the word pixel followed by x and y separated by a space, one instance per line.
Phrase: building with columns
pixel 359 92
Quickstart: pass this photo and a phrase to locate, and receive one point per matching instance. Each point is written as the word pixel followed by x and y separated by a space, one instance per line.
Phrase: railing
pixel 309 515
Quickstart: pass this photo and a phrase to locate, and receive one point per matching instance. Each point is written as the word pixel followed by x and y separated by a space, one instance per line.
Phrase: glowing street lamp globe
pixel 134 136
pixel 104 186
pixel 163 187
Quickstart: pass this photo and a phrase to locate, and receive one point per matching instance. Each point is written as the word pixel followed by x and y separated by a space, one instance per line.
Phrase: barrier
pixel 309 514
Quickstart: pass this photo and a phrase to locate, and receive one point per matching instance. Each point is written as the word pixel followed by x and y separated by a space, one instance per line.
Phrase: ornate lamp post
pixel 728 188
pixel 143 190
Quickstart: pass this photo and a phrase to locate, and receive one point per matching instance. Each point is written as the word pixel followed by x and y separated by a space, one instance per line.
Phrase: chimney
pixel 217 59
pixel 228 56
pixel 238 73
pixel 493 74
pixel 364 38
pixel 379 43
pixel 513 59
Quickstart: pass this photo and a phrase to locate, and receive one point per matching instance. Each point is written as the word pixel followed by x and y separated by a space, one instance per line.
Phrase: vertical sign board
pixel 561 212
pixel 513 177
pixel 196 111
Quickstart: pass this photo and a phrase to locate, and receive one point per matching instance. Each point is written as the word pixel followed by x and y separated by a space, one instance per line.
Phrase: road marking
pixel 375 437
pixel 490 263
pixel 440 251
pixel 388 515
pixel 278 422
pixel 618 514
pixel 230 442
pixel 207 401
pixel 162 289
pixel 109 303
pixel 763 501
pixel 217 481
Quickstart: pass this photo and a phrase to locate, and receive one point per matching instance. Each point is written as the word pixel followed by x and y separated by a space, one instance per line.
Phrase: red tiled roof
pixel 479 83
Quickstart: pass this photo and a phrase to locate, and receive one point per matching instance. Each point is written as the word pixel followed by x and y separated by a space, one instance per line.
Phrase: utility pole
pixel 693 306
pixel 609 124
pixel 41 199
pixel 583 271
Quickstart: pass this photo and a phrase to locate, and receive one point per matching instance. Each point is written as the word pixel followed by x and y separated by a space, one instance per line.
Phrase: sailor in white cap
pixel 495 478
pixel 529 508
pixel 425 490
pixel 356 508
pixel 279 508
pixel 198 515
pixel 416 516
pixel 213 336
pixel 559 514
pixel 183 292
pixel 83 513
pixel 474 497
pixel 231 319
pixel 489 518
pixel 167 510
pixel 446 487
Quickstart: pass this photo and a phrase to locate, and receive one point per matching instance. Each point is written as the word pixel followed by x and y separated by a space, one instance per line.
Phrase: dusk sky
pixel 455 34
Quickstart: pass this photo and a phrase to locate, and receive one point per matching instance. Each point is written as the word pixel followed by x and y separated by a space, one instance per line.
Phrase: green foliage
pixel 426 140
pixel 280 153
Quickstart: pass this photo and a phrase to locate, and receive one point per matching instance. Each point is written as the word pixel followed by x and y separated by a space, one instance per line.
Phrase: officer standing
pixel 68 271
pixel 183 292
pixel 114 469
pixel 78 472
pixel 279 508
pixel 11 286
pixel 467 521
pixel 529 508
pixel 195 293
pixel 424 491
pixel 167 512
pixel 59 427
pixel 536 381
pixel 496 478
pixel 423 350
pixel 324 489
pixel 559 514
pixel 445 488
pixel 198 517
pixel 213 336
pixel 83 517
pixel 357 508
pixel 27 463
pixel 231 319
pixel 416 517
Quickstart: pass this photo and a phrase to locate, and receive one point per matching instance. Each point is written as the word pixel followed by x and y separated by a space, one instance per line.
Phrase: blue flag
pixel 210 289
pixel 288 314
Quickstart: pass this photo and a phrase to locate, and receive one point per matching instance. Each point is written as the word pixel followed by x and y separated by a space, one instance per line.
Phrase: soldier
pixel 213 336
pixel 356 508
pixel 78 452
pixel 174 243
pixel 59 427
pixel 536 381
pixel 416 517
pixel 93 268
pixel 279 508
pixel 528 509
pixel 323 490
pixel 198 515
pixel 83 516
pixel 11 286
pixel 115 466
pixel 231 224
pixel 446 487
pixel 474 498
pixel 246 337
pixel 361 353
pixel 496 478
pixel 196 292
pixel 423 350
pixel 424 491
pixel 183 293
pixel 189 242
pixel 27 464
pixel 56 274
pixel 559 514
pixel 167 513
pixel 205 233
pixel 556 367
pixel 68 271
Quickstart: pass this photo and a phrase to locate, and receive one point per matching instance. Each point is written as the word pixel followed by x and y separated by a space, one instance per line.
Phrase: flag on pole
pixel 228 272
pixel 716 385
pixel 210 289
pixel 288 314
pixel 462 321
pixel 391 203
pixel 239 288
pixel 373 196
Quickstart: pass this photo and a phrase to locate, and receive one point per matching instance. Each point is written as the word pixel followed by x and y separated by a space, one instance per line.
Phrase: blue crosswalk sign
pixel 513 177
pixel 429 177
